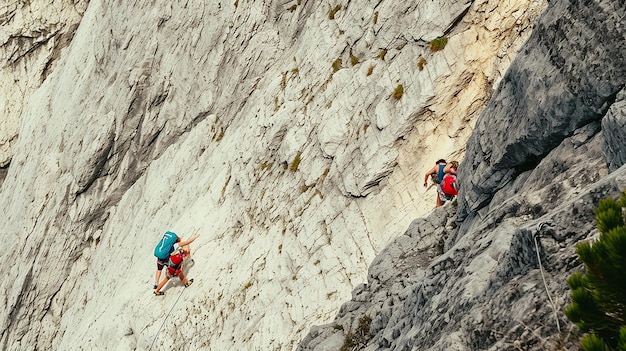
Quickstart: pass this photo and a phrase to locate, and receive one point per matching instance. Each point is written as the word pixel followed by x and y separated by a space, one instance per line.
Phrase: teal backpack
pixel 166 245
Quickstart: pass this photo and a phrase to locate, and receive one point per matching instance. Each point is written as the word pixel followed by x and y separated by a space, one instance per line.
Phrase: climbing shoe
pixel 189 282
pixel 160 293
pixel 155 286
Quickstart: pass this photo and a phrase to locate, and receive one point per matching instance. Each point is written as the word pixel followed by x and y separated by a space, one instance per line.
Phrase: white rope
pixel 558 327
pixel 164 319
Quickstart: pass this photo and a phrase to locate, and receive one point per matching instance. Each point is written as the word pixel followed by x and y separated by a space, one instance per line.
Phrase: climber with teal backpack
pixel 165 247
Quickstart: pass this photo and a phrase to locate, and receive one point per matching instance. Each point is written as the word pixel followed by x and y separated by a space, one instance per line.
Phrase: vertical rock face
pixel 499 285
pixel 568 75
pixel 294 137
pixel 33 36
pixel 543 153
pixel 613 126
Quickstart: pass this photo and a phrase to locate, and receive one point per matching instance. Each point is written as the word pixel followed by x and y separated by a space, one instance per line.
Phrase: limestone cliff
pixel 491 273
pixel 33 36
pixel 293 136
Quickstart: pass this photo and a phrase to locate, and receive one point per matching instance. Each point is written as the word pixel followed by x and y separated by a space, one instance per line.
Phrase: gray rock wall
pixel 491 273
pixel 190 116
pixel 614 129
pixel 568 75
pixel 33 37
pixel 493 288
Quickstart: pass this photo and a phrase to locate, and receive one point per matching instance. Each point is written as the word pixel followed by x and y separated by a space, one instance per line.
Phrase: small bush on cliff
pixel 599 293
pixel 438 44
pixel 336 65
pixel 354 60
pixel 296 162
pixel 398 92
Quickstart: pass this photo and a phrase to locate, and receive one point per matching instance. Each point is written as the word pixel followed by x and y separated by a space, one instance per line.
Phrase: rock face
pixel 613 126
pixel 293 137
pixel 499 286
pixel 559 83
pixel 493 275
pixel 33 37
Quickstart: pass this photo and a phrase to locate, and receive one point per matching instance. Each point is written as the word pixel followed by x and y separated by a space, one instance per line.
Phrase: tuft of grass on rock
pixel 354 60
pixel 398 92
pixel 382 53
pixel 337 65
pixel 266 165
pixel 296 162
pixel 421 63
pixel 438 44
pixel 359 337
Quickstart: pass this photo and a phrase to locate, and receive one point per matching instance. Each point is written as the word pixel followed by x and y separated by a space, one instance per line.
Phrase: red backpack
pixel 175 262
pixel 448 185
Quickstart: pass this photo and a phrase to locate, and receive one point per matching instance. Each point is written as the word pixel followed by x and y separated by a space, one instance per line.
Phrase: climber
pixel 434 172
pixel 175 268
pixel 438 173
pixel 168 244
pixel 448 186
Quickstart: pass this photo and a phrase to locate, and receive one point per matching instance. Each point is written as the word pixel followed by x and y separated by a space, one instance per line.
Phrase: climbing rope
pixel 558 327
pixel 164 319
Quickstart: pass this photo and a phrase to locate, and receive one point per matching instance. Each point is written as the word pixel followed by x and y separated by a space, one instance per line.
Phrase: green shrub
pixel 438 44
pixel 591 342
pixel 599 293
pixel 337 65
pixel 296 162
pixel 354 60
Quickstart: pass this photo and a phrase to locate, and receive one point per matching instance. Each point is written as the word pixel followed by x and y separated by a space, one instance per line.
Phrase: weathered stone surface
pixel 33 35
pixel 536 166
pixel 614 129
pixel 500 285
pixel 231 119
pixel 567 76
